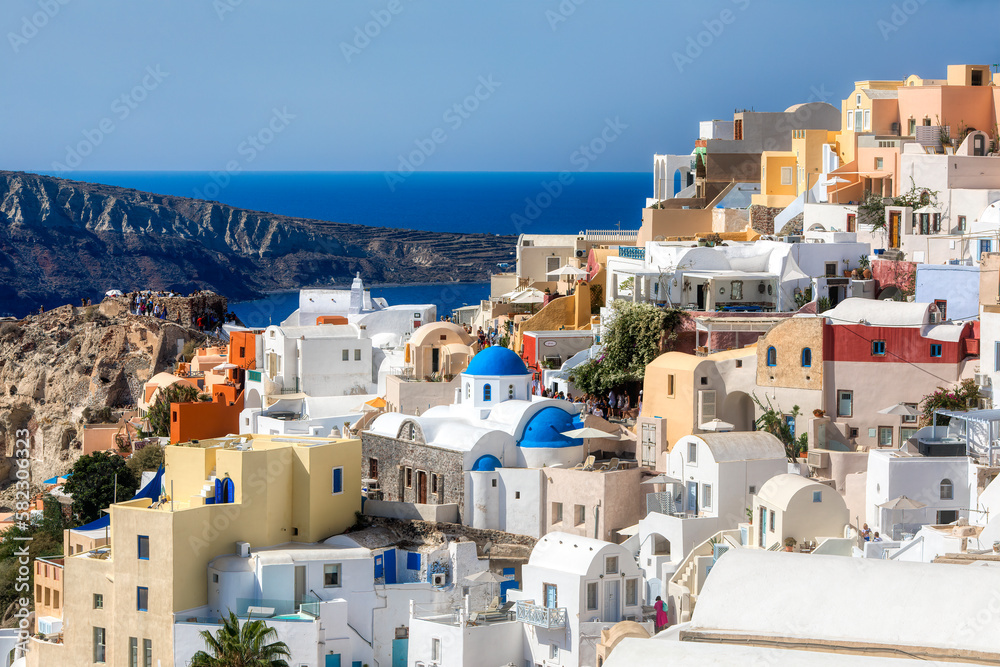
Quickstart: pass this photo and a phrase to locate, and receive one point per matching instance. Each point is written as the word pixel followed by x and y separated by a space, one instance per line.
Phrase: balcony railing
pixel 631 252
pixel 541 617
pixel 610 235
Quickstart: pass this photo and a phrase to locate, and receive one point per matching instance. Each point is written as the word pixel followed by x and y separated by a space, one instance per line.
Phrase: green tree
pixel 961 398
pixel 159 413
pixel 53 519
pixel 92 484
pixel 773 421
pixel 637 334
pixel 249 645
pixel 149 457
pixel 40 545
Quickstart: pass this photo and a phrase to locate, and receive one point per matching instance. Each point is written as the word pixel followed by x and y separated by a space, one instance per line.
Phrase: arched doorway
pixel 252 399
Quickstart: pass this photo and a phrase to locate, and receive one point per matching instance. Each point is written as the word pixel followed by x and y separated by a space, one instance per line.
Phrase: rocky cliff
pixel 61 240
pixel 55 364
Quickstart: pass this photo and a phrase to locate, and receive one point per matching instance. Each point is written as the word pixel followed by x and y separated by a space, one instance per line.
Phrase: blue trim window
pixel 935 349
pixel 878 348
pixel 338 480
pixel 143 547
pixel 142 598
pixel 790 423
pixel 807 357
pixel 487 392
pixel 772 356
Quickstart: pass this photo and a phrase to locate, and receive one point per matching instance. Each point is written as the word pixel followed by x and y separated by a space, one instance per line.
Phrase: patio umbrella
pixel 901 410
pixel 530 295
pixel 901 504
pixel 377 402
pixel 588 432
pixel 114 292
pixel 488 577
pixel 225 367
pixel 717 425
pixel 569 271
pixel 662 479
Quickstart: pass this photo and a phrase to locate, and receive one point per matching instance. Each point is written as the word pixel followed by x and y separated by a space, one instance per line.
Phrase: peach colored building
pixel 48 595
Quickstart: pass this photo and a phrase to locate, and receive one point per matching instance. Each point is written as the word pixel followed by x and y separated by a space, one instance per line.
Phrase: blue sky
pixel 129 85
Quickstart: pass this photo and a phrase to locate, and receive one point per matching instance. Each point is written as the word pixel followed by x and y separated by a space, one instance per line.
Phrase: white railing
pixel 611 235
pixel 541 617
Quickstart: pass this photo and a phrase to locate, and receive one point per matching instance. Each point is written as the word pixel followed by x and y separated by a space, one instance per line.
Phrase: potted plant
pixel 818 413
pixel 866 267
pixel 790 543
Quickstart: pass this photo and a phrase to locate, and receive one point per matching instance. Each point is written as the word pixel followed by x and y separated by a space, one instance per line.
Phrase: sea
pixel 485 202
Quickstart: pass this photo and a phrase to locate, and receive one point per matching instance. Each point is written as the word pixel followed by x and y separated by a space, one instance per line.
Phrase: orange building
pixel 207 419
pixel 243 349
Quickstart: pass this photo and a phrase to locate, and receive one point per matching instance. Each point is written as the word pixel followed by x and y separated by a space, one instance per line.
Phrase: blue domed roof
pixel 496 360
pixel 486 463
pixel 545 428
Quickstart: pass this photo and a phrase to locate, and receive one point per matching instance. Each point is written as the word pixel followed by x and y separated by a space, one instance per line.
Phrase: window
pixel 98 601
pixel 704 380
pixel 557 513
pixel 878 163
pixel 693 453
pixel 845 403
pixel 947 490
pixel 772 356
pixel 878 348
pixel 100 646
pixel 670 385
pixel 857 120
pixel 807 357
pixel 996 357
pixel 551 593
pixel 631 592
pixel 910 419
pixel 649 445
pixel 338 480
pixel 143 547
pixel 435 649
pixel 468 390
pixel 817 496
pixel 786 175
pixel 935 349
pixel 907 433
pixel 961 223
pixel 850 120
pixel 345 355
pixel 133 652
pixel 942 306
pixel 857 99
pixel 885 436
pixel 331 575
pixel 868 120
pixel 790 423
pixel 142 598
pixel 553 652
pixel 517 495
pixel 592 596
pixel 706 496
pixel 147 649
pixel 579 514
pixel 408 473
pixel 706 397
pixel 736 289
pixel 611 565
pixel 912 127
pixel 831 268
pixel 771 525
pixel 487 393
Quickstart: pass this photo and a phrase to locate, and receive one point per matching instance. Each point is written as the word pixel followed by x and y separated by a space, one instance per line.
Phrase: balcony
pixel 541 617
pixel 631 252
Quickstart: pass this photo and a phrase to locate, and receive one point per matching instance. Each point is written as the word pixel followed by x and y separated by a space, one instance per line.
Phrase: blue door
pixel 399 651
pixel 219 495
pixel 692 502
pixel 551 599
pixel 332 660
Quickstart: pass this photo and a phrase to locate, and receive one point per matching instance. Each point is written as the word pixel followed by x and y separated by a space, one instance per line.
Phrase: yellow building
pixel 262 490
pixel 787 174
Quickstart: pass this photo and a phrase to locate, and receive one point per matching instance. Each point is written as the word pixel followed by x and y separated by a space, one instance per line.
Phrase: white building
pixel 944 485
pixel 319 360
pixel 572 588
pixel 333 603
pixel 320 416
pixel 719 473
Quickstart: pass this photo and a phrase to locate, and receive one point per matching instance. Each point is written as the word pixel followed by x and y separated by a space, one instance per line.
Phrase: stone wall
pixel 762 218
pixel 395 456
pixel 727 220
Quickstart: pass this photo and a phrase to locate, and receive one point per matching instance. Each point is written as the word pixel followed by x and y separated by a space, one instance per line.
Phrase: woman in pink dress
pixel 661 614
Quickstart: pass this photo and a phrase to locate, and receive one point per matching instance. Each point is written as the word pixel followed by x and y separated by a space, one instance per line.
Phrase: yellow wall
pixel 568 312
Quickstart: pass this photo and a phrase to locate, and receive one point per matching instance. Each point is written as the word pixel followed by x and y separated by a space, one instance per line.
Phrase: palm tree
pixel 246 646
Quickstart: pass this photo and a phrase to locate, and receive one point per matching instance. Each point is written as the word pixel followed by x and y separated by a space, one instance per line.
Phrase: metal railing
pixel 253 376
pixel 610 234
pixel 541 617
pixel 631 252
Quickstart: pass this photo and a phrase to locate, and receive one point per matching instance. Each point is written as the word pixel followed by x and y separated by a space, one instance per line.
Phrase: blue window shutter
pixel 338 480
pixel 219 497
pixel 412 561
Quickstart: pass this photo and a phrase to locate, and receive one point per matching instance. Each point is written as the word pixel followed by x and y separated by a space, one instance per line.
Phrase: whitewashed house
pixel 718 475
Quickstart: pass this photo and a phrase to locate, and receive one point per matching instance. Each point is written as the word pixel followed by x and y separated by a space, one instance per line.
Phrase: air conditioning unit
pixel 982 380
pixel 818 459
pixel 581 253
pixel 440 579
